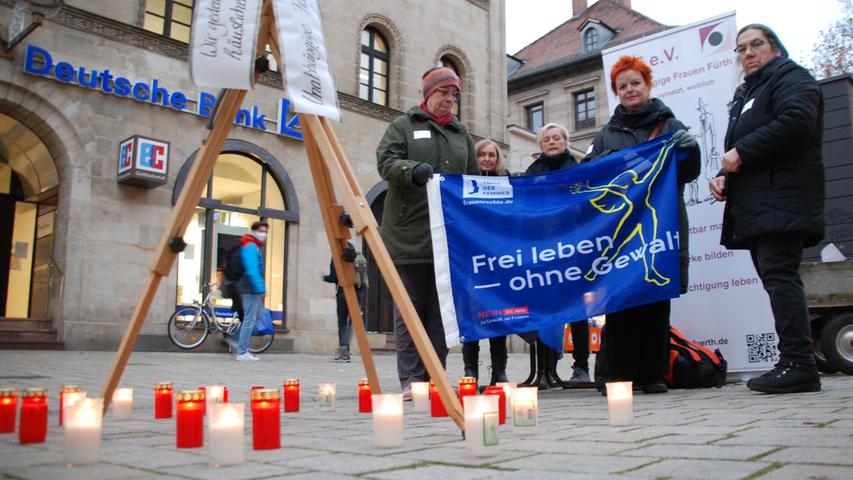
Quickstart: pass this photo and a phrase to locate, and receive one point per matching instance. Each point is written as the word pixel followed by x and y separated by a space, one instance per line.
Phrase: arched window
pixel 373 74
pixel 448 62
pixel 590 40
pixel 247 185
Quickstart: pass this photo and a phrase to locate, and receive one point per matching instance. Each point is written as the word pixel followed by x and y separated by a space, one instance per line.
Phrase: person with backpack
pixel 251 285
pixel 344 320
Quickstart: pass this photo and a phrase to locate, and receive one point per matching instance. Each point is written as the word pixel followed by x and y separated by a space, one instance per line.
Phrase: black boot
pixel 471 357
pixel 787 377
pixel 497 350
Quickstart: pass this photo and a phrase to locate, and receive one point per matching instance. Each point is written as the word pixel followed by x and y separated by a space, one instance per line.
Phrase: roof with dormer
pixel 563 43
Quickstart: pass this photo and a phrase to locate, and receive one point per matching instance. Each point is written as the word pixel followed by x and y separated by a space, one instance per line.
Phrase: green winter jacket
pixel 411 139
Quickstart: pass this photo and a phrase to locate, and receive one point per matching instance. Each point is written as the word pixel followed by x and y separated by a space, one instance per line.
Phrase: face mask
pixel 262 236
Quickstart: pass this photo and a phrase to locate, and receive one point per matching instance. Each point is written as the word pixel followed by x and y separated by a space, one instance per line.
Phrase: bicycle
pixel 190 325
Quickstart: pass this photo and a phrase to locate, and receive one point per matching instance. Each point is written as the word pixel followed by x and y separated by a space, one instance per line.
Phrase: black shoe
pixel 656 386
pixel 498 376
pixel 787 377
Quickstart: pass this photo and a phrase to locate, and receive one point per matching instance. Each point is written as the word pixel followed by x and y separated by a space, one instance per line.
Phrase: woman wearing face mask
pixel 491 162
pixel 554 141
pixel 773 185
pixel 638 338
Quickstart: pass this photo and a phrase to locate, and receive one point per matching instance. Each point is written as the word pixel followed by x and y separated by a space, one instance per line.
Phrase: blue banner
pixel 528 253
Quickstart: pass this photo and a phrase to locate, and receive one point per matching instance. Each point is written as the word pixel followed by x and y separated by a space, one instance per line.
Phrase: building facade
pixel 97 74
pixel 558 78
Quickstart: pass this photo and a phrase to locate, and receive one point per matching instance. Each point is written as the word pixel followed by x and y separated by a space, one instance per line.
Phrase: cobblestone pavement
pixel 714 433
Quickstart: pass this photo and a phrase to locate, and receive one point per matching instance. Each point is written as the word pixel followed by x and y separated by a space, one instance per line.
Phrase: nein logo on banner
pixel 486 187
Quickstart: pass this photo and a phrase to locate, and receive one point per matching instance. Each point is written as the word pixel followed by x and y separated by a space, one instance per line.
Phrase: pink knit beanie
pixel 440 77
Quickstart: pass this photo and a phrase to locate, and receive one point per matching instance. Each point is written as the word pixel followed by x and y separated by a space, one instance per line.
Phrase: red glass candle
pixel 204 406
pixel 224 394
pixel 190 421
pixel 33 427
pixel 499 391
pixel 163 400
pixel 291 395
pixel 365 403
pixel 266 419
pixel 8 409
pixel 467 386
pixel 62 391
pixel 436 406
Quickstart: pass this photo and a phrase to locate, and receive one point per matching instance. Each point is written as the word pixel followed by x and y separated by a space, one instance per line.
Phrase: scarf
pixel 443 121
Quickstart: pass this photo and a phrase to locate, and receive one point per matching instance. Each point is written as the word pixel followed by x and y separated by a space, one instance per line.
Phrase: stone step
pixel 25 325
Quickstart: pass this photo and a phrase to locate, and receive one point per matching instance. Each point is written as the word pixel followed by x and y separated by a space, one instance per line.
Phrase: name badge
pixel 747 105
pixel 418 134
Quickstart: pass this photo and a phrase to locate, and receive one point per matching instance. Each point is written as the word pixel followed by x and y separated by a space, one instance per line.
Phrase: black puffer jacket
pixel 776 125
pixel 628 128
pixel 546 163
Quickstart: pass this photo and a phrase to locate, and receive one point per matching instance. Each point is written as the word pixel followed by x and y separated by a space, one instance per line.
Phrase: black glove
pixel 421 173
pixel 684 140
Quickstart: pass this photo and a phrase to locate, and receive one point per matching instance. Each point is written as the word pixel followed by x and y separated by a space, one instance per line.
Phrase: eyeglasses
pixel 755 45
pixel 456 94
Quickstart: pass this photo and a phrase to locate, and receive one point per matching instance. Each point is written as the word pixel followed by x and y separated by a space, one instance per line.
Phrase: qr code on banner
pixel 761 347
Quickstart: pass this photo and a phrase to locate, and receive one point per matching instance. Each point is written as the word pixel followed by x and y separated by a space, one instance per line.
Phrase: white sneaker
pixel 247 357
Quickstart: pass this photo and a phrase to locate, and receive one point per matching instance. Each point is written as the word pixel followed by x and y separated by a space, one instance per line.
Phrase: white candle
pixel 481 424
pixel 70 399
pixel 122 404
pixel 525 410
pixel 420 396
pixel 387 420
pixel 213 394
pixel 226 433
pixel 83 431
pixel 620 403
pixel 508 387
pixel 327 397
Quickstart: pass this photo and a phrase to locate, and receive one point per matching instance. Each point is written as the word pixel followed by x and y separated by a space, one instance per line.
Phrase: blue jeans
pixel 252 305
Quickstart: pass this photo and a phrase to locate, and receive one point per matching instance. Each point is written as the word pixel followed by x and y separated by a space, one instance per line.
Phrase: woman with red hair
pixel 638 338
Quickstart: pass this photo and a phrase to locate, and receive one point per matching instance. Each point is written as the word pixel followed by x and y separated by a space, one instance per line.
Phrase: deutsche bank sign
pixel 39 61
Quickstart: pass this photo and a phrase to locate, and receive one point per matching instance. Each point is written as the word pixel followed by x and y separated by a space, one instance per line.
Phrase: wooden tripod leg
pixel 365 222
pixel 181 214
pixel 337 234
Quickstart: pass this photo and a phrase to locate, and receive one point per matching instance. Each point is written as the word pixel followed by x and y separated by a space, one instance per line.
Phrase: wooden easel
pixel 331 172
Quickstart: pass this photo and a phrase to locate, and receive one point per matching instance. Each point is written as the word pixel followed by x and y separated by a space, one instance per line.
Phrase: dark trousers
pixel 580 340
pixel 344 319
pixel 777 261
pixel 419 281
pixel 638 343
pixel 497 350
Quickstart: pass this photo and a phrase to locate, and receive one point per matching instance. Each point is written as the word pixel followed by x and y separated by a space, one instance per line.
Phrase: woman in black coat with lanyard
pixel 638 338
pixel 773 185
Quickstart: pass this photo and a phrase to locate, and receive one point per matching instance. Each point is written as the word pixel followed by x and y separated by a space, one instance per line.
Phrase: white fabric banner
pixel 695 73
pixel 306 68
pixel 223 43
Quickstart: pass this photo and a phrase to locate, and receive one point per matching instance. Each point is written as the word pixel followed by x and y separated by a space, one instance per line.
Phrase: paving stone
pixel 578 463
pixel 458 455
pixel 815 472
pixel 826 455
pixel 701 469
pixel 80 472
pixel 699 451
pixel 437 471
pixel 245 471
pixel 345 463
